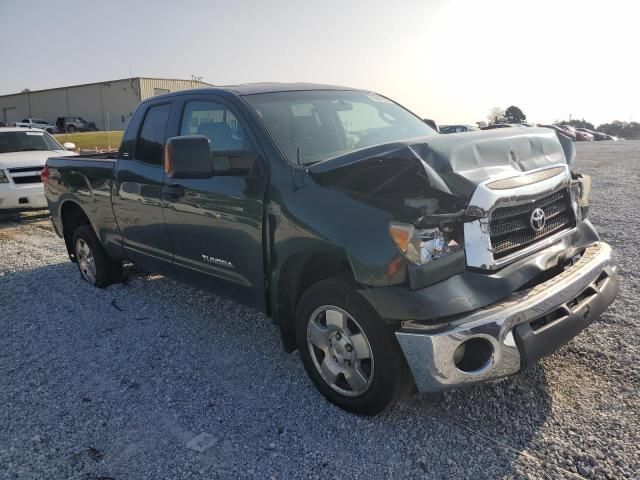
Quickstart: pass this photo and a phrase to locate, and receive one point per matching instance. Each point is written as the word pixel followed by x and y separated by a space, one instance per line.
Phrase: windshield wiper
pixel 298 156
pixel 29 149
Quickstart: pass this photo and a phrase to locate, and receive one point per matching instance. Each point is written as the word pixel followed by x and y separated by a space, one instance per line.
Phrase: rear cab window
pixel 150 141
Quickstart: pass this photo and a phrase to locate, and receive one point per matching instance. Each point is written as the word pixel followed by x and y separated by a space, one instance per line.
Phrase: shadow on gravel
pixel 8 220
pixel 173 361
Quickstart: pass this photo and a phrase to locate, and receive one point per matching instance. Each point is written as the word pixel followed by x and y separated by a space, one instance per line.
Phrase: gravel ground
pixel 112 384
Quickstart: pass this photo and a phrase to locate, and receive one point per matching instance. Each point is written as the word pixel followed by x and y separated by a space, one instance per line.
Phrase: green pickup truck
pixel 390 256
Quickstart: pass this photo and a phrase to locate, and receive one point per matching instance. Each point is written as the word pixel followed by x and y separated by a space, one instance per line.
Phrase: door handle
pixel 173 190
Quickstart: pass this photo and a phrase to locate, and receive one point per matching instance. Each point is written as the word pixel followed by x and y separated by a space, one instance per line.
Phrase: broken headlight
pixel 421 246
pixel 3 177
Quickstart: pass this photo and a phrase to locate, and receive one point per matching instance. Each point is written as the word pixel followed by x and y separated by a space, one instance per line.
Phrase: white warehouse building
pixel 109 104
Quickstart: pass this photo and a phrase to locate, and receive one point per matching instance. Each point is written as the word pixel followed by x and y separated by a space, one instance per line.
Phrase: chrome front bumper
pixel 519 329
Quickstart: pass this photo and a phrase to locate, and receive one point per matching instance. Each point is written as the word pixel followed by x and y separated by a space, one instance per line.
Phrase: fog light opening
pixel 473 355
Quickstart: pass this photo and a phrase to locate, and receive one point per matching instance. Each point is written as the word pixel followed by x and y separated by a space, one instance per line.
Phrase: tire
pixel 71 128
pixel 95 266
pixel 334 327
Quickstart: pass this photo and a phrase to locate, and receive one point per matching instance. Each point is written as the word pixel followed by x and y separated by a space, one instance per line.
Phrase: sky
pixel 452 61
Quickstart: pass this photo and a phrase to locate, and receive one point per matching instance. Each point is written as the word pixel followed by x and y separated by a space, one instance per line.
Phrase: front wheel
pixel 348 352
pixel 95 265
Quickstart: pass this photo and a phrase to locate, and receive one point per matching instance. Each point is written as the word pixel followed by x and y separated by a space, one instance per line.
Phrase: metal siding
pixel 147 85
pixel 14 108
pixel 114 101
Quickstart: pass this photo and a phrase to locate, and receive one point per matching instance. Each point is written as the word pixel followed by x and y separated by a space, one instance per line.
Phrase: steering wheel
pixel 373 137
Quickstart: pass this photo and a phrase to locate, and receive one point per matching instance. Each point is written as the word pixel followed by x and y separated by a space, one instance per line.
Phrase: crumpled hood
pixel 456 163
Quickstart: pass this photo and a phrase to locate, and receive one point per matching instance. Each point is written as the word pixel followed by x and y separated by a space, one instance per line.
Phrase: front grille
pixel 28 179
pixel 24 169
pixel 511 228
pixel 25 175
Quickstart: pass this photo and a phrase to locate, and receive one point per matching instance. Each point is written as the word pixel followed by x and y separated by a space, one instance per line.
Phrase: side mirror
pixel 188 157
pixel 69 146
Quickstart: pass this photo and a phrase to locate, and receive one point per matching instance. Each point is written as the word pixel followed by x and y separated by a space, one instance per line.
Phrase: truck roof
pixel 270 87
pixel 254 88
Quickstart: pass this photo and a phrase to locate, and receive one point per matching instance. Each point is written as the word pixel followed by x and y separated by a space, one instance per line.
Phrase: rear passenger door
pixel 215 224
pixel 137 194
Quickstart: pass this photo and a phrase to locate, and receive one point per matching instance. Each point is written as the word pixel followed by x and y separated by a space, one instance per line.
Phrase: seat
pixel 219 134
pixel 313 138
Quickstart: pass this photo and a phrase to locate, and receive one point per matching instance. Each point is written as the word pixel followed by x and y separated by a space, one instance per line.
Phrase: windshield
pixel 27 141
pixel 317 125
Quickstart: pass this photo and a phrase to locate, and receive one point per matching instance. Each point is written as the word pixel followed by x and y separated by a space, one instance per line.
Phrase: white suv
pixel 23 154
pixel 37 123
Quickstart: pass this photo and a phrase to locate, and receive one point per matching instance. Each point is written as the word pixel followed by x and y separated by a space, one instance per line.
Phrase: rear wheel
pixel 96 267
pixel 348 352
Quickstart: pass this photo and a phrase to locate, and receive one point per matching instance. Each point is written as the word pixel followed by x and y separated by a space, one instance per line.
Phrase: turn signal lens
pixel 401 235
pixel 421 246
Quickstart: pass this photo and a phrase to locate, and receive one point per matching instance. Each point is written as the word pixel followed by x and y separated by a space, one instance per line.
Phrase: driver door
pixel 215 224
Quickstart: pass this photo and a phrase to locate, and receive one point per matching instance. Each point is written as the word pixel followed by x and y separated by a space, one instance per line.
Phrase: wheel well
pixel 72 217
pixel 297 276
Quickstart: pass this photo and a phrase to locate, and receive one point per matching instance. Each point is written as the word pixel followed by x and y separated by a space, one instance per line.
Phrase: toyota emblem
pixel 537 219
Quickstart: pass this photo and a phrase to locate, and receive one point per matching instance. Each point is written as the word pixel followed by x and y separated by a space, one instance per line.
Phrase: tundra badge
pixel 217 261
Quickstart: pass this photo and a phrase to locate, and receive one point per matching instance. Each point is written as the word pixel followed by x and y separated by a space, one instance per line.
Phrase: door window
pixel 217 123
pixel 150 142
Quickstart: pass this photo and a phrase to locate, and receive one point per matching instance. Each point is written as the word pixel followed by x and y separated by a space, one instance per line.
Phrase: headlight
pixel 422 246
pixel 3 177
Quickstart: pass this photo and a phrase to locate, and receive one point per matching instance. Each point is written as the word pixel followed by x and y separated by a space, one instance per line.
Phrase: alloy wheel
pixel 86 261
pixel 340 351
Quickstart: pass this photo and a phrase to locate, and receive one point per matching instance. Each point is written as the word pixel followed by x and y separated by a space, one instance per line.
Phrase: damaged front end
pixel 503 265
pixel 462 201
pixel 427 218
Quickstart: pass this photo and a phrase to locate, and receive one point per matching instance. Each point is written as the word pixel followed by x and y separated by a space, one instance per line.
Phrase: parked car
pixel 387 254
pixel 74 123
pixel 580 136
pixel 562 131
pixel 432 124
pixel 458 128
pixel 37 123
pixel 505 125
pixel 23 154
pixel 596 135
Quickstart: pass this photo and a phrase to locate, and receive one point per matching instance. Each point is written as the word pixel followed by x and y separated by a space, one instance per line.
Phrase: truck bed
pixel 86 181
pixel 91 157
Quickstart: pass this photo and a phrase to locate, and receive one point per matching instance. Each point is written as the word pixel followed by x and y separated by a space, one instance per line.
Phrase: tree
pixel 578 124
pixel 514 115
pixel 26 90
pixel 496 115
pixel 629 130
